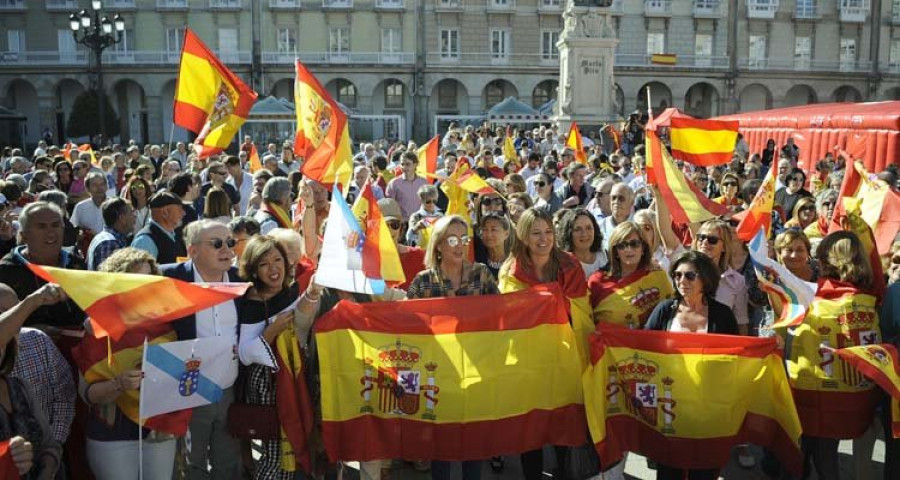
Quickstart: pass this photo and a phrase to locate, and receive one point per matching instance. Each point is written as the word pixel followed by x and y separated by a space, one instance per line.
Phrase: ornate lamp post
pixel 97 34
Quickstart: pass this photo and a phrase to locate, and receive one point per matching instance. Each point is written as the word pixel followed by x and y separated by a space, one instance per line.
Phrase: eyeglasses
pixel 729 184
pixel 702 179
pixel 796 179
pixel 428 201
pixel 218 243
pixel 828 204
pixel 394 224
pixel 809 208
pixel 689 276
pixel 628 244
pixel 710 239
pixel 217 172
pixel 453 241
pixel 540 184
pixel 491 201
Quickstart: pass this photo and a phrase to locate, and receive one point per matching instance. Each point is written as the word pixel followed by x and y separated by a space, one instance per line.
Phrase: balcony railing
pixel 890 68
pixel 658 7
pixel 552 6
pixel 125 57
pixel 806 11
pixel 895 17
pixel 501 5
pixel 120 4
pixel 284 4
pixel 356 58
pixel 337 4
pixel 225 4
pixel 390 4
pixel 789 64
pixel 7 5
pixel 448 5
pixel 854 11
pixel 171 4
pixel 707 8
pixel 471 59
pixel 762 9
pixel 62 5
pixel 715 62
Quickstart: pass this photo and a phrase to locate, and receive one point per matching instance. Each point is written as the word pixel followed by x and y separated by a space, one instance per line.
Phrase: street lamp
pixel 97 34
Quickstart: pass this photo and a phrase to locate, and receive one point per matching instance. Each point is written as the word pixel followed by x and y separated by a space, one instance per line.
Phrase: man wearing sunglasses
pixel 158 237
pixel 210 248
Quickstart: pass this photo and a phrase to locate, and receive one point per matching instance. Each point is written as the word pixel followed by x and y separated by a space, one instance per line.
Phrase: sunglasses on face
pixel 808 209
pixel 429 201
pixel 487 202
pixel 796 179
pixel 710 239
pixel 895 260
pixel 729 184
pixel 828 204
pixel 689 276
pixel 394 224
pixel 540 184
pixel 702 180
pixel 453 241
pixel 628 244
pixel 218 243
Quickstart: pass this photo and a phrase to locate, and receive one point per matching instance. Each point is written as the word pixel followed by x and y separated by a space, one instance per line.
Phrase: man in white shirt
pixel 533 167
pixel 210 247
pixel 87 214
pixel 621 202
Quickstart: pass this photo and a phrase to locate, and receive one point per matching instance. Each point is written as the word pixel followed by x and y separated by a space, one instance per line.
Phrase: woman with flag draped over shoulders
pixel 537 259
pixel 110 389
pixel 834 401
pixel 449 274
pixel 266 312
pixel 630 290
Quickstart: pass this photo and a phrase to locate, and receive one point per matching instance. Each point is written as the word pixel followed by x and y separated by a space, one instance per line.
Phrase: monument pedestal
pixel 587 48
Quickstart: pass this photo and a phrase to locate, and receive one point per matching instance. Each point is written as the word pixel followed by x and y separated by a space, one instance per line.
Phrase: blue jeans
pixel 471 469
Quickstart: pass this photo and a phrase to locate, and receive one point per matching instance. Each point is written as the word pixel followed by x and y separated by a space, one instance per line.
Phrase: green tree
pixel 85 119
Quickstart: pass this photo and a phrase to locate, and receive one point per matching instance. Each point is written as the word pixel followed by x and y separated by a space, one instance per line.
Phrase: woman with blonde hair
pixel 217 206
pixel 513 183
pixel 804 214
pixel 715 240
pixel 535 259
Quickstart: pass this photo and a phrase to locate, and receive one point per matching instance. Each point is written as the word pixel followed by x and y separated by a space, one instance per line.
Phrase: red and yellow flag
pixel 253 159
pixel 832 397
pixel 67 151
pixel 684 399
pixel 117 302
pixel 430 370
pixel 703 142
pixel 295 408
pixel 686 203
pixel 210 100
pixel 90 150
pixel 759 214
pixel 470 181
pixel 323 136
pixel 574 142
pixel 628 301
pixel 8 468
pixel 101 359
pixel 428 155
pixel 380 258
pixel 509 151
pixel 880 205
pixel 881 364
pixel 664 59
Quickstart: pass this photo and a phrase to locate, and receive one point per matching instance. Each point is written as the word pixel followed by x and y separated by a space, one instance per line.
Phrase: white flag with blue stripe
pixel 186 374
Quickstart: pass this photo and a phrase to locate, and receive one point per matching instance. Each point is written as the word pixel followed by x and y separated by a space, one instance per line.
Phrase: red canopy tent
pixel 664 119
pixel 867 131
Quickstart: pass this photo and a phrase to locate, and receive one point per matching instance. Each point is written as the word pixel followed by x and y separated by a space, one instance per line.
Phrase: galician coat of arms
pixel 187 384
pixel 645 395
pixel 400 384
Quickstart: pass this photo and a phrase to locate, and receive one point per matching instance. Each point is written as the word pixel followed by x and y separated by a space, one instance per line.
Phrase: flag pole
pixel 141 413
pixel 172 134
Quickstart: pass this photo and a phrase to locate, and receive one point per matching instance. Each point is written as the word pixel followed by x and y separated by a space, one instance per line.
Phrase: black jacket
pixel 15 273
pixel 721 318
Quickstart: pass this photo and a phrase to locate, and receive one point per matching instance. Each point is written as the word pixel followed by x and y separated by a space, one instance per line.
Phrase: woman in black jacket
pixel 693 310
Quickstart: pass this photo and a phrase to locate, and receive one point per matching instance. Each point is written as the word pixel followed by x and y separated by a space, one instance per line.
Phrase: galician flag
pixel 186 374
pixel 790 296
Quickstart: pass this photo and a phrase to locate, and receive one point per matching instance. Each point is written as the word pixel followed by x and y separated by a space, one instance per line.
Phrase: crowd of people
pixel 596 228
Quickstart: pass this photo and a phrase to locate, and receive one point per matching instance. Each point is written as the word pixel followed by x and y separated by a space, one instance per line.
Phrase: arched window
pixel 493 93
pixel 543 93
pixel 393 94
pixel 346 93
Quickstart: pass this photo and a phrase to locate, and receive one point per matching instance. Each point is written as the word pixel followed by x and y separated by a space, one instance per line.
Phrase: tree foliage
pixel 85 119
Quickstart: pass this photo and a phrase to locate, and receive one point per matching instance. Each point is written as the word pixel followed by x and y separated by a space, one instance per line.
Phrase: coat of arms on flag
pixel 399 382
pixel 637 378
pixel 187 384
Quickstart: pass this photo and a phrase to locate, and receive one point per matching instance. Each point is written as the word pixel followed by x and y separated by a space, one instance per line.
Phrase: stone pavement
pixel 636 468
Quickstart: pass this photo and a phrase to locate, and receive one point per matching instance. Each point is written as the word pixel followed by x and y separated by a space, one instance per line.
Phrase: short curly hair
pixel 126 260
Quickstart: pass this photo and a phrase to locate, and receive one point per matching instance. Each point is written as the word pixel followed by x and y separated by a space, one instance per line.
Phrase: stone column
pixel 587 49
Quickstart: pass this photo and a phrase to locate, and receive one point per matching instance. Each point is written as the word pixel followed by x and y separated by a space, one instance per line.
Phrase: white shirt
pixel 87 215
pixel 246 190
pixel 529 172
pixel 218 321
pixel 600 259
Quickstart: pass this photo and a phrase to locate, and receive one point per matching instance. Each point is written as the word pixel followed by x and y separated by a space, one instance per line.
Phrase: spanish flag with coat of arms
pixel 684 399
pixel 881 364
pixel 210 100
pixel 435 378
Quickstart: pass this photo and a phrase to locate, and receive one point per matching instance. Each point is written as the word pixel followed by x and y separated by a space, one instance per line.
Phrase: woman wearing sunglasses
pixel 729 189
pixel 536 259
pixel 546 199
pixel 449 274
pixel 792 192
pixel 804 214
pixel 714 239
pixel 693 310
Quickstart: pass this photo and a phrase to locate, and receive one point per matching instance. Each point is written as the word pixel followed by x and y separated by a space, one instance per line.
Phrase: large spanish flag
pixel 210 100
pixel 880 364
pixel 117 302
pixel 628 301
pixel 684 399
pixel 880 205
pixel 323 136
pixel 380 258
pixel 833 398
pixel 455 378
pixel 101 359
pixel 759 214
pixel 428 155
pixel 575 142
pixel 686 203
pixel 703 142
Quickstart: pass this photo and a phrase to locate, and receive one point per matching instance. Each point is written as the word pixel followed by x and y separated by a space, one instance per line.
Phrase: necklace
pixel 494 265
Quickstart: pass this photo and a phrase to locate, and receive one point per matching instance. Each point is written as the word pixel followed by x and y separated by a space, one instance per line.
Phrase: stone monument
pixel 587 48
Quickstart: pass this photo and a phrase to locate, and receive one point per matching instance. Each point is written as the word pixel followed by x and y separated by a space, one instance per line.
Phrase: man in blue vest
pixel 158 237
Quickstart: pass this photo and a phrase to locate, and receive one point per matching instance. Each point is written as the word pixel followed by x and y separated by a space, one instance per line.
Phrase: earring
pixel 438 256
